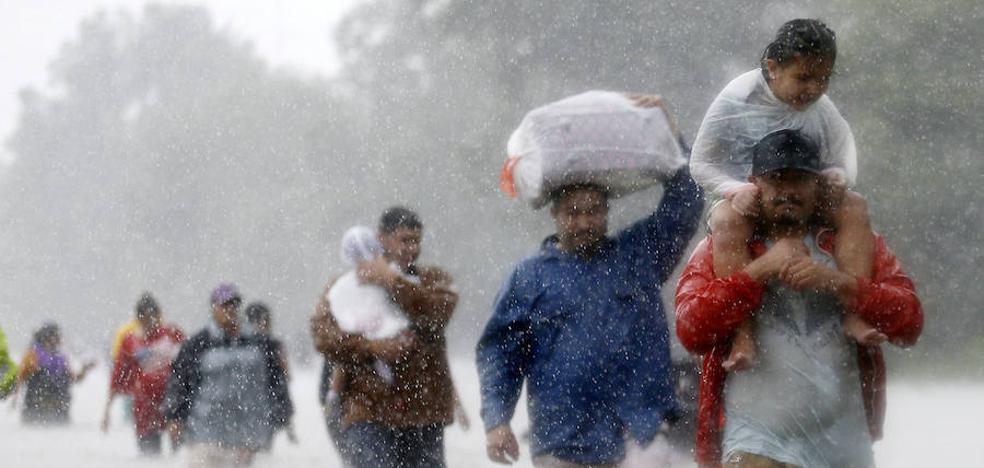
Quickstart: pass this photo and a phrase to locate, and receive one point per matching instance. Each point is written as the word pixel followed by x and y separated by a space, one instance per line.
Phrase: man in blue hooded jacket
pixel 582 323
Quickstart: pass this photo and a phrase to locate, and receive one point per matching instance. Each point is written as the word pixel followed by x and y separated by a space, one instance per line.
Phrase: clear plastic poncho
pixel 597 137
pixel 745 112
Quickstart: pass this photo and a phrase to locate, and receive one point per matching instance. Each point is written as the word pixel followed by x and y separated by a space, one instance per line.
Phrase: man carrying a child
pixel 814 397
pixel 395 419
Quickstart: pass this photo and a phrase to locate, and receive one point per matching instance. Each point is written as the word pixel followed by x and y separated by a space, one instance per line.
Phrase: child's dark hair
pixel 801 37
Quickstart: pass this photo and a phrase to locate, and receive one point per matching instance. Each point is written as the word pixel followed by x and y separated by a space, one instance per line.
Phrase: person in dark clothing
pixel 258 317
pixel 47 377
pixel 331 405
pixel 228 390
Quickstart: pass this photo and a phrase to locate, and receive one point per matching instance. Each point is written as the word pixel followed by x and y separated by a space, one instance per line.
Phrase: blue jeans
pixel 373 445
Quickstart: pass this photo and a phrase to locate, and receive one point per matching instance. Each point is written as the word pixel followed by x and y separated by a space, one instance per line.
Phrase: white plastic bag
pixel 598 137
pixel 745 112
pixel 365 309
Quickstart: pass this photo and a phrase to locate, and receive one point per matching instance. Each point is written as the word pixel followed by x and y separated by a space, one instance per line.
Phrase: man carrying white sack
pixel 582 321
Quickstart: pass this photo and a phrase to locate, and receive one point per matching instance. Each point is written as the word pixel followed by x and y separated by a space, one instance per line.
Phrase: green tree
pixel 171 157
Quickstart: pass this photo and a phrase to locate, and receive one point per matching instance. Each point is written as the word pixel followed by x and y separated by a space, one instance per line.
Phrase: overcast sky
pixel 288 33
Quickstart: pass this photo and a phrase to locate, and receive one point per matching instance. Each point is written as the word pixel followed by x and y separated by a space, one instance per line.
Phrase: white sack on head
pixel 745 112
pixel 598 137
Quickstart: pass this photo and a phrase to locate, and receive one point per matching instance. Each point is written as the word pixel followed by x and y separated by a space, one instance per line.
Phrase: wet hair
pixel 801 38
pixel 398 217
pixel 560 192
pixel 146 305
pixel 47 331
pixel 257 312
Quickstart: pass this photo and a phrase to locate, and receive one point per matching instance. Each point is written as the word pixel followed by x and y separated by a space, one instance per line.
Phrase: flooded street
pixel 928 424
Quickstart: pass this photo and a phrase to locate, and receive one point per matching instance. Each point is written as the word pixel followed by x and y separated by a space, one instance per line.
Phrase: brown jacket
pixel 421 393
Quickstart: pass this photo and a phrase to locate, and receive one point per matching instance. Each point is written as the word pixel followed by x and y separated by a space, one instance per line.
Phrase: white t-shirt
pixel 801 402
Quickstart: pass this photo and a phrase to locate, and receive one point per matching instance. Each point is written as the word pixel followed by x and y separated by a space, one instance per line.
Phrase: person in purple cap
pixel 228 389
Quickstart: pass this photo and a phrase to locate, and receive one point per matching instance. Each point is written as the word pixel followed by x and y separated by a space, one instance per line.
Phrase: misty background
pixel 166 154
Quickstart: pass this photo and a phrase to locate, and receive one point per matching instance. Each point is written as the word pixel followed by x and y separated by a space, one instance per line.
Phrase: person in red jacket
pixel 815 398
pixel 141 370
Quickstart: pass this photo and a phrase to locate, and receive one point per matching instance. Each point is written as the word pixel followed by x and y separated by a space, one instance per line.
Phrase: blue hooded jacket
pixel 589 337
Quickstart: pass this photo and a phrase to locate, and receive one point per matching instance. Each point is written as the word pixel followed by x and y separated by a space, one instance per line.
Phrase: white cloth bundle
pixel 597 137
pixel 745 112
pixel 360 308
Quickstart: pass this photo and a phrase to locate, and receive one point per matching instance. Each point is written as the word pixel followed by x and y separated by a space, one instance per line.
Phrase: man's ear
pixel 752 179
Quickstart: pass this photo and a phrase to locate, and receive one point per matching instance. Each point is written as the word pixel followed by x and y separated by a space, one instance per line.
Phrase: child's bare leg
pixel 854 252
pixel 732 232
pixel 742 354
pixel 865 334
pixel 855 246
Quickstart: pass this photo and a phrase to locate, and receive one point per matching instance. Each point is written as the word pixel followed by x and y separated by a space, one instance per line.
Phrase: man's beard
pixel 786 220
pixel 589 242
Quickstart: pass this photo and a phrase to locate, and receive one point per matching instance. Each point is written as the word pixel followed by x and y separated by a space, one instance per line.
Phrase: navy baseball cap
pixel 785 149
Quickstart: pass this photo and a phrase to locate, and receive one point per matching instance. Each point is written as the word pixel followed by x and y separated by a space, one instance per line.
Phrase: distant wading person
pixel 398 395
pixel 228 389
pixel 141 369
pixel 581 322
pixel 47 378
pixel 815 398
pixel 260 321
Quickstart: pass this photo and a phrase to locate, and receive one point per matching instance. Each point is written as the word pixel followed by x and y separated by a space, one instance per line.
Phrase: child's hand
pixel 376 271
pixel 744 199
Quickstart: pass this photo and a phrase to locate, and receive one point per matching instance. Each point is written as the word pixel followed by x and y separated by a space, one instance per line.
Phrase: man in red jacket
pixel 141 369
pixel 814 397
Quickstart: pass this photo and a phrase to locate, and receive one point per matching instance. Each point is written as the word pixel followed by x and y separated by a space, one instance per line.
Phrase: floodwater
pixel 927 425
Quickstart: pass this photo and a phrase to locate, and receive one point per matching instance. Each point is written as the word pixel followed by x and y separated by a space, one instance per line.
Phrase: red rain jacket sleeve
pixel 888 301
pixel 709 309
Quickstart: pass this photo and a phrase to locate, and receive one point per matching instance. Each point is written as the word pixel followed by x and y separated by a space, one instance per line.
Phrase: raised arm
pixel 660 239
